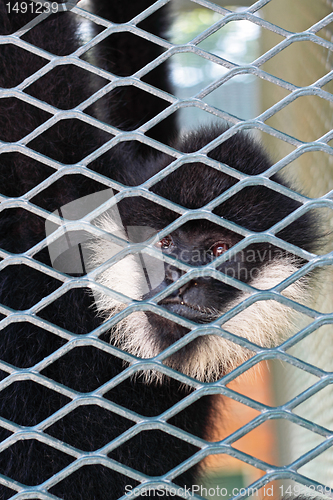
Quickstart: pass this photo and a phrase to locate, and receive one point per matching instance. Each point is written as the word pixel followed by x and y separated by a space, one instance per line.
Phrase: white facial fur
pixel 265 323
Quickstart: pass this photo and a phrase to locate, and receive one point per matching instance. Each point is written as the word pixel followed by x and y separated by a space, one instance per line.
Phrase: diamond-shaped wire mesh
pixel 41 376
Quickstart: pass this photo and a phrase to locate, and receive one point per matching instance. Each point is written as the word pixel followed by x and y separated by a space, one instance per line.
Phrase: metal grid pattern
pixel 314 172
pixel 96 397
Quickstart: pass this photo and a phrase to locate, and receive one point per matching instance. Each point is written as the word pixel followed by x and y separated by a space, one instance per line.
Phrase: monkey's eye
pixel 219 248
pixel 165 243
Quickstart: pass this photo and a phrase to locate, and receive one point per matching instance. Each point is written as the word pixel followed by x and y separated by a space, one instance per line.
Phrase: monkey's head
pixel 206 263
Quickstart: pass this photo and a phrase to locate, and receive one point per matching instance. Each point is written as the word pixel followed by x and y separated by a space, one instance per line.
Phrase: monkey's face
pixel 192 273
pixel 194 246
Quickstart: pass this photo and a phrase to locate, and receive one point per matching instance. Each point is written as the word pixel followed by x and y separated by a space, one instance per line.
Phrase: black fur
pixel 24 401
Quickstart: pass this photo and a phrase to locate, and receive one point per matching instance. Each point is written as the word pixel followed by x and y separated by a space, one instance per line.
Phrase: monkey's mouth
pixel 191 312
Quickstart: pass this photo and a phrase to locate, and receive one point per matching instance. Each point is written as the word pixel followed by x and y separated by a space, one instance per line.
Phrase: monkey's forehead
pixel 251 207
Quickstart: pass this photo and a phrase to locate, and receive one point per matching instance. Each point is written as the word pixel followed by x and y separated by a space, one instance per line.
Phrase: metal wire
pixel 220 387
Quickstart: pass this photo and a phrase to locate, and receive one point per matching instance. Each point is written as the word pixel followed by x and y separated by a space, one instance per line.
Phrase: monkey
pixel 198 242
pixel 59 349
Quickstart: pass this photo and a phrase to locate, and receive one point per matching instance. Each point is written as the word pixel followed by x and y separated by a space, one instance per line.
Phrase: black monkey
pixel 28 397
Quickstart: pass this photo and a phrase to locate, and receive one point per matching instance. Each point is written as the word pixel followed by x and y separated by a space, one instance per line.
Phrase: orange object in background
pixel 230 415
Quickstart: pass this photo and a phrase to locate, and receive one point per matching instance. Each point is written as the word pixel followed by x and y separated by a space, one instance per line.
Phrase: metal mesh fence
pixel 318 319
